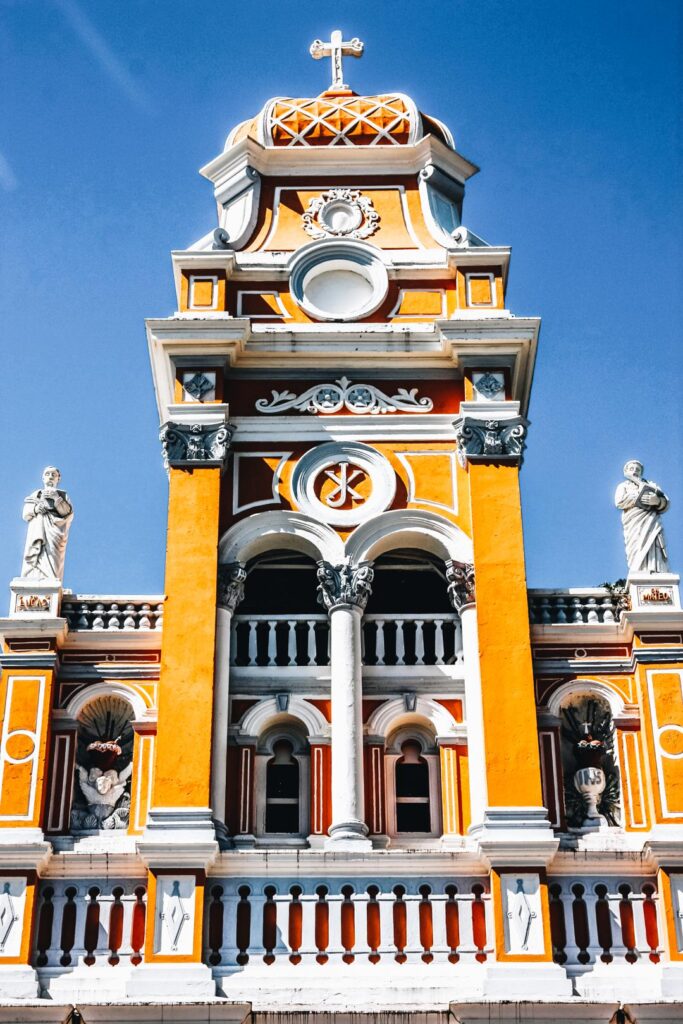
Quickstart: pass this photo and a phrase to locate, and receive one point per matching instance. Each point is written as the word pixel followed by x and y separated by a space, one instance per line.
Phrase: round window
pixel 338 280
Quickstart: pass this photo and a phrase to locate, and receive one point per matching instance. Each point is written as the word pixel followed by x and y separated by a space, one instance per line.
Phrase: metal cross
pixel 335 50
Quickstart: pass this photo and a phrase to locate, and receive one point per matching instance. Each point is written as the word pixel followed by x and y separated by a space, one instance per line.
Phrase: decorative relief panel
pixel 343 483
pixel 12 905
pixel 343 394
pixel 340 213
pixel 175 907
pixel 184 444
pixel 522 911
pixel 497 440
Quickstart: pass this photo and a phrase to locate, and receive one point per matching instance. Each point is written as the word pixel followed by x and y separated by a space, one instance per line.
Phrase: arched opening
pixel 413 783
pixel 412 789
pixel 282 790
pixel 280 622
pixel 104 765
pixel 592 791
pixel 409 619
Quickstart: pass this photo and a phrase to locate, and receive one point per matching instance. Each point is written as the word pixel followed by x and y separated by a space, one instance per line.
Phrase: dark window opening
pixel 282 790
pixel 412 790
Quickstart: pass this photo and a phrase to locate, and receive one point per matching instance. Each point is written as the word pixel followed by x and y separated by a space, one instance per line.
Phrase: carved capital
pixel 344 584
pixel 231 579
pixel 460 576
pixel 195 444
pixel 480 439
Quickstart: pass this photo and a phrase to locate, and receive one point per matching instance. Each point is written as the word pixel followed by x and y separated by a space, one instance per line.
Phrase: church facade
pixel 347 763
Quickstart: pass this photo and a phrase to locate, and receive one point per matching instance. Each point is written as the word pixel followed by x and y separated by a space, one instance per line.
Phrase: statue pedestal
pixel 34 598
pixel 654 591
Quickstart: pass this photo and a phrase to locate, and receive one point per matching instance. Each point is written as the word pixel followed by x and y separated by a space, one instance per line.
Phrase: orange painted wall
pixel 507 682
pixel 25 700
pixel 183 747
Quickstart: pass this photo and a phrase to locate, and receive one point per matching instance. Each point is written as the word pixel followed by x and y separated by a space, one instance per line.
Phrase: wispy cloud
pixel 8 181
pixel 103 54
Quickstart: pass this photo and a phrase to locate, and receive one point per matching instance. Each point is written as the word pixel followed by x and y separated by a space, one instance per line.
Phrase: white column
pixel 460 578
pixel 344 591
pixel 230 592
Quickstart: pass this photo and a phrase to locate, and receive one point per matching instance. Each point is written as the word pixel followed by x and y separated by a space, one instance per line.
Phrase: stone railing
pixel 326 921
pixel 84 922
pixel 610 920
pixel 112 613
pixel 588 606
pixel 301 640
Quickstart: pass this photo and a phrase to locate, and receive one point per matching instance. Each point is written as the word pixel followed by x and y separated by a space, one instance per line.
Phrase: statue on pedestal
pixel 48 513
pixel 642 503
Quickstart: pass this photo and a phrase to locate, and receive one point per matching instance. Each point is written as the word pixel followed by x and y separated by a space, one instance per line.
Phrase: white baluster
pixel 308 948
pixel 379 642
pixel 414 947
pixel 252 652
pixel 272 642
pixel 457 642
pixel 311 647
pixel 334 943
pixel 59 901
pixel 439 649
pixel 419 642
pixel 466 947
pixel 440 947
pixel 387 949
pixel 291 642
pixel 400 643
pixel 360 947
pixel 229 949
pixel 282 905
pixel 128 901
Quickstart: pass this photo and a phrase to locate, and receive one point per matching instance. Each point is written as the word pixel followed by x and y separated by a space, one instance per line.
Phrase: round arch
pixel 267 712
pixel 409 528
pixel 590 687
pixel 264 531
pixel 393 714
pixel 137 699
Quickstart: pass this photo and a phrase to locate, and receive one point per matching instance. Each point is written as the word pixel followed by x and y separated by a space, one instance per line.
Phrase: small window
pixel 412 790
pixel 282 790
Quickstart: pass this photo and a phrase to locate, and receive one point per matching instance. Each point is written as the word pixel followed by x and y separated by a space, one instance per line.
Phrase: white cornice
pixel 303 428
pixel 334 161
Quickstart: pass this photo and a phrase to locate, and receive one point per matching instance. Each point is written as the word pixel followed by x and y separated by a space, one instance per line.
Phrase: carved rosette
pixel 490 440
pixel 192 444
pixel 231 579
pixel 344 584
pixel 461 591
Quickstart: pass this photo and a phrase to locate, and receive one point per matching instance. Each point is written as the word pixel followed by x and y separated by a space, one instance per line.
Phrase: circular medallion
pixel 338 280
pixel 340 213
pixel 343 483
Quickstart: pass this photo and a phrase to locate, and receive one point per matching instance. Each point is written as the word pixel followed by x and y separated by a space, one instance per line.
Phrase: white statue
pixel 48 513
pixel 642 503
pixel 102 791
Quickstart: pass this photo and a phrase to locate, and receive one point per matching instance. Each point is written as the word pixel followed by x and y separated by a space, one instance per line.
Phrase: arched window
pixel 412 790
pixel 413 783
pixel 282 790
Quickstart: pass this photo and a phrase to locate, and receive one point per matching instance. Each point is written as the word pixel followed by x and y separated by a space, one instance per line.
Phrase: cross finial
pixel 335 50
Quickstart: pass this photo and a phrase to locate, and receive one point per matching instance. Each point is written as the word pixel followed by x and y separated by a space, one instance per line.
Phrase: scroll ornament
pixel 498 440
pixel 184 444
pixel 342 394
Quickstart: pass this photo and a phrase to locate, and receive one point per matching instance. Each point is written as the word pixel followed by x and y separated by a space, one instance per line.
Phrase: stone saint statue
pixel 642 503
pixel 48 513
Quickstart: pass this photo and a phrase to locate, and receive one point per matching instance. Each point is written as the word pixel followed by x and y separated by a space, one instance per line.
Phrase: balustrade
pixel 301 640
pixel 80 922
pixel 114 613
pixel 608 921
pixel 326 922
pixel 575 607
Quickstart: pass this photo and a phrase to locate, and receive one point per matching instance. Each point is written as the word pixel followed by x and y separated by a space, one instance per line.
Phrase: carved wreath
pixel 314 216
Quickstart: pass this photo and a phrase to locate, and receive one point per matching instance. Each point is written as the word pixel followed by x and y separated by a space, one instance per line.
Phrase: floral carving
pixel 340 213
pixel 342 394
pixel 479 440
pixel 231 579
pixel 344 584
pixel 187 443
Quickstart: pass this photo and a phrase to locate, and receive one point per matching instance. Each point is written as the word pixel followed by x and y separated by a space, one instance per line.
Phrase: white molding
pixel 410 528
pixel 469 276
pixel 275 498
pixel 262 316
pixel 393 714
pixel 411 497
pixel 264 531
pixel 587 685
pixel 657 730
pixel 193 279
pixel 33 734
pixel 353 427
pixel 259 717
pixel 137 698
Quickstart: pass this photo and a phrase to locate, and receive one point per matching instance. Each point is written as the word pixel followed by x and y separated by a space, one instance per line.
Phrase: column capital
pixel 461 584
pixel 491 434
pixel 195 444
pixel 231 579
pixel 344 584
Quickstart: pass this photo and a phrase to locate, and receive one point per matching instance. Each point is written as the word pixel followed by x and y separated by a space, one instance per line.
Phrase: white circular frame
pixel 372 462
pixel 318 258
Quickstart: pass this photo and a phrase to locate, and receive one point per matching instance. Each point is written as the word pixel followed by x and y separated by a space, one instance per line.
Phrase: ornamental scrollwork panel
pixel 343 394
pixel 185 444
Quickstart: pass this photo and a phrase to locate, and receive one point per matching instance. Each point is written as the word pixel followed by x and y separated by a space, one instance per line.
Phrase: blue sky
pixel 573 112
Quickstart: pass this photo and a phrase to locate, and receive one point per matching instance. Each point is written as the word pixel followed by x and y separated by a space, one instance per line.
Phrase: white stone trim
pixel 238 457
pixel 33 734
pixel 266 713
pixel 478 274
pixel 193 279
pixel 261 316
pixel 264 531
pixel 588 686
pixel 138 699
pixel 411 528
pixel 657 730
pixel 393 714
pixel 405 457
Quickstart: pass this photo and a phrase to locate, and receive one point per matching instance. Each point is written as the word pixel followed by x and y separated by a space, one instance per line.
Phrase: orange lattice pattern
pixel 339 121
